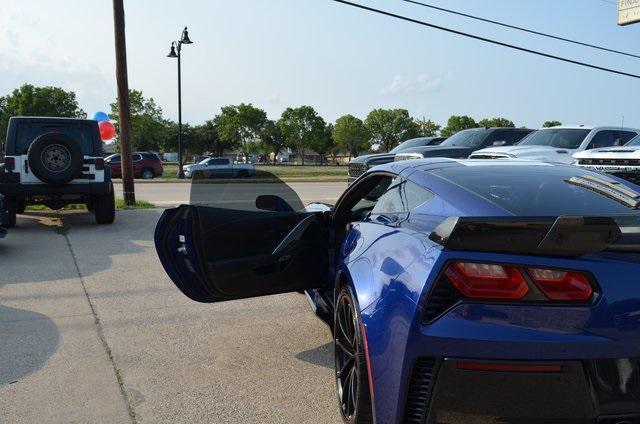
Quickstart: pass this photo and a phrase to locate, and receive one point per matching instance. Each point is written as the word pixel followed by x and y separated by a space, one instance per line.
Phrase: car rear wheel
pixel 147 174
pixel 352 380
pixel 105 208
pixel 10 205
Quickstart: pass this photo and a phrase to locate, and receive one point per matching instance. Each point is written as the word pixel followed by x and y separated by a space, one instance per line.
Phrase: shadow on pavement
pixel 321 356
pixel 30 248
pixel 28 341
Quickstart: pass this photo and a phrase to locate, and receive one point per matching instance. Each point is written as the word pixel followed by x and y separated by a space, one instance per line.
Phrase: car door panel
pixel 214 254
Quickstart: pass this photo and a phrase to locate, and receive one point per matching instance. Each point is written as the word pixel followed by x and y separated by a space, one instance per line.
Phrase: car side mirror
pixel 499 143
pixel 272 203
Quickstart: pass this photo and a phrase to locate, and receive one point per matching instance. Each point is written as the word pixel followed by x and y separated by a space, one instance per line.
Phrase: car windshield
pixel 414 142
pixel 466 138
pixel 204 161
pixel 634 141
pixel 561 137
pixel 538 190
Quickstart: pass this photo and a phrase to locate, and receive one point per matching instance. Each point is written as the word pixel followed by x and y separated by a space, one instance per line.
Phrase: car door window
pixel 137 158
pixel 393 200
pixel 416 195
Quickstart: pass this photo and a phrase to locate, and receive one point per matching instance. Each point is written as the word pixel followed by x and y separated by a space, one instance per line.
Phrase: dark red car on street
pixel 145 165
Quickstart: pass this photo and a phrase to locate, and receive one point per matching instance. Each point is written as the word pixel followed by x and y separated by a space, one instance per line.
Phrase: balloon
pixel 107 130
pixel 100 116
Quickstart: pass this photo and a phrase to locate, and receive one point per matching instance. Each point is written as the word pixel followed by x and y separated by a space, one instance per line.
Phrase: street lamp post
pixel 176 49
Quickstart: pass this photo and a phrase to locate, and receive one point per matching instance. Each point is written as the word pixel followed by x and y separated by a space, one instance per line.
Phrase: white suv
pixel 55 162
pixel 558 144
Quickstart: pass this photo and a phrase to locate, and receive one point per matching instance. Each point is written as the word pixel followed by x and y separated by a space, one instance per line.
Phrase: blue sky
pixel 279 53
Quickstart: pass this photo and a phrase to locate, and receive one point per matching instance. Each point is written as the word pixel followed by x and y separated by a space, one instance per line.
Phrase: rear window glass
pixel 467 138
pixel 83 134
pixel 563 138
pixel 537 190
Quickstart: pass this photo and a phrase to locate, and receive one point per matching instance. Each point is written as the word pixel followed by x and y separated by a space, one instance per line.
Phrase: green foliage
pixel 302 128
pixel 239 124
pixel 351 135
pixel 458 123
pixel 205 139
pixel 271 139
pixel 549 124
pixel 427 128
pixel 149 130
pixel 496 122
pixel 390 127
pixel 38 101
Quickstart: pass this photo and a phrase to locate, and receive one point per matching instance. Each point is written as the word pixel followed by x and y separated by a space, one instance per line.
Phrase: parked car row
pixel 609 149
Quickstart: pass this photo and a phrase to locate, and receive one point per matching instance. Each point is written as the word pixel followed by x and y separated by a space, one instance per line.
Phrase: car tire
pixel 350 365
pixel 10 206
pixel 243 173
pixel 147 174
pixel 105 208
pixel 55 158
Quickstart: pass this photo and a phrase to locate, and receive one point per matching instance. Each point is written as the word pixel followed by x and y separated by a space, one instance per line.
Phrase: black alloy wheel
pixel 352 380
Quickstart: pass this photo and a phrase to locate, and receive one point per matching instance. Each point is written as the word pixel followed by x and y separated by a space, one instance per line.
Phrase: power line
pixel 530 31
pixel 486 40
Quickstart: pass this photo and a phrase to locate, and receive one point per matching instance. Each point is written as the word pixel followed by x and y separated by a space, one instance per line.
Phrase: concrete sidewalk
pixel 93 331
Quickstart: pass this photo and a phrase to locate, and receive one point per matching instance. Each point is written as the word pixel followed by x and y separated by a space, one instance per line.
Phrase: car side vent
pixel 417 405
pixel 443 295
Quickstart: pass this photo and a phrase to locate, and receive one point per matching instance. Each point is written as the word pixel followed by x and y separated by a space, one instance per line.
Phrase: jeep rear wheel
pixel 105 208
pixel 10 206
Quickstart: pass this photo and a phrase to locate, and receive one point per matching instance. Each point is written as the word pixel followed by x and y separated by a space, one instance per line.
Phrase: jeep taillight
pixel 9 163
pixel 99 164
pixel 475 280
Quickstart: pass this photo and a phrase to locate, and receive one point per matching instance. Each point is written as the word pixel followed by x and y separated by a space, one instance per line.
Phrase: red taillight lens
pixel 99 163
pixel 487 281
pixel 562 285
pixel 9 164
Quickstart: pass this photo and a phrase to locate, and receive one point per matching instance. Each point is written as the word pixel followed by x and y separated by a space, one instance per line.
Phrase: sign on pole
pixel 628 12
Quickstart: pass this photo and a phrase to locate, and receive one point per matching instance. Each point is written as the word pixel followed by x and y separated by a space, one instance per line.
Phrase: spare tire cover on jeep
pixel 55 158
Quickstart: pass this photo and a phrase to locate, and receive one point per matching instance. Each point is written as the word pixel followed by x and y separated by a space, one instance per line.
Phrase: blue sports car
pixel 457 291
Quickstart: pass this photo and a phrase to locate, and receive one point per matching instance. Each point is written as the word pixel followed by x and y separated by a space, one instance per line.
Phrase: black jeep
pixel 55 162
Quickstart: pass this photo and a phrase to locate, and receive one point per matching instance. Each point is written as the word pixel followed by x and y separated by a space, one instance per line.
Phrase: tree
pixel 206 139
pixel 458 123
pixel 496 122
pixel 240 124
pixel 302 128
pixel 549 124
pixel 324 143
pixel 38 101
pixel 427 128
pixel 351 135
pixel 390 127
pixel 272 139
pixel 149 130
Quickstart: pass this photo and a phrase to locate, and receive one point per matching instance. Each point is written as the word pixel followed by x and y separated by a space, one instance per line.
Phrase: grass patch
pixel 46 208
pixel 140 204
pixel 284 172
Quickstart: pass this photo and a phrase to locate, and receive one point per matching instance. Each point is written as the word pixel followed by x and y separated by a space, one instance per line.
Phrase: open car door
pixel 232 243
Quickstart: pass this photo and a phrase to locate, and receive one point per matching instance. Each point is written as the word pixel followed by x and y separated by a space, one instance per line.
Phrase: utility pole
pixel 123 103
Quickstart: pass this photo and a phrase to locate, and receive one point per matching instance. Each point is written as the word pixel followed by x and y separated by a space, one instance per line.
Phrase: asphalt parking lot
pixel 92 330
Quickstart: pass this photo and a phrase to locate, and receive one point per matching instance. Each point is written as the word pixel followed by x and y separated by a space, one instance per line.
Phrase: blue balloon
pixel 100 116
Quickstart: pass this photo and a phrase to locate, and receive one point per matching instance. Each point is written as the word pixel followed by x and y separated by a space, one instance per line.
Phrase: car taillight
pixel 487 281
pixel 476 280
pixel 99 163
pixel 562 285
pixel 9 163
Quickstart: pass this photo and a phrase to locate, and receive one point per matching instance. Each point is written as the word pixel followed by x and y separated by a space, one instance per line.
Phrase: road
pixel 92 330
pixel 171 194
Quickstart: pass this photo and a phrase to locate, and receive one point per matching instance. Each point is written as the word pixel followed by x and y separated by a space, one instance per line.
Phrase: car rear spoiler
pixel 555 236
